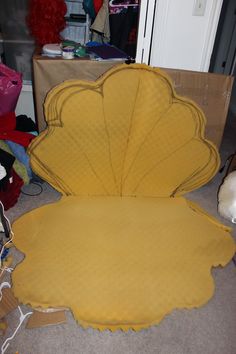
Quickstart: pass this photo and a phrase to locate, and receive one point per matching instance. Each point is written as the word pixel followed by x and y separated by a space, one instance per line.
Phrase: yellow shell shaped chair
pixel 122 248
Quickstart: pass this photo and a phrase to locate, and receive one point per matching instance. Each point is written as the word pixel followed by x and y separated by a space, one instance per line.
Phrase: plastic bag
pixel 10 88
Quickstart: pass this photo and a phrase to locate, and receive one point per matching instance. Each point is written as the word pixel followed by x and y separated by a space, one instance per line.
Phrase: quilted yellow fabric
pixel 122 248
pixel 118 262
pixel 126 134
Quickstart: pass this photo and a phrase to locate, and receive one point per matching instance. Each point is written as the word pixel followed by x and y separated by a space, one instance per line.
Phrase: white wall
pixel 25 104
pixel 181 40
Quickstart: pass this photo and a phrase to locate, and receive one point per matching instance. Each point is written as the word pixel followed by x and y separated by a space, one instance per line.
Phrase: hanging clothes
pixel 123 20
pixel 101 27
pixel 88 7
pixel 97 5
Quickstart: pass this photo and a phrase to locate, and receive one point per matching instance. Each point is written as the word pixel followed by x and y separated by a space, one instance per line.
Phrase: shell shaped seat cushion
pixel 126 134
pixel 118 262
pixel 122 248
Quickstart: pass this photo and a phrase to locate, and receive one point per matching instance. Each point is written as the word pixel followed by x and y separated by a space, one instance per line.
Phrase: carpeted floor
pixel 208 330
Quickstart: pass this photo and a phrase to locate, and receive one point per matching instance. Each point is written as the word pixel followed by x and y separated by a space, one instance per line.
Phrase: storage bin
pixel 74 7
pixel 75 33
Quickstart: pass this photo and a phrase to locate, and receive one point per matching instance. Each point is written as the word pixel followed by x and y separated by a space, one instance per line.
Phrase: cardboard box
pixel 44 319
pixel 210 91
pixel 49 72
pixel 38 319
pixel 8 302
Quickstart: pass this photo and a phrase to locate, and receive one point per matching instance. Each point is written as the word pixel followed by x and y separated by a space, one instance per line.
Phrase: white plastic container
pixel 68 52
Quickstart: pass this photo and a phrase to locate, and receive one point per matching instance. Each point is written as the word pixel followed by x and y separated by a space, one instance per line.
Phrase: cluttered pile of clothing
pixel 16 133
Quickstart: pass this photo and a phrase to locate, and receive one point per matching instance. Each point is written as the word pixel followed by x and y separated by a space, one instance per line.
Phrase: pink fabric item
pixel 10 88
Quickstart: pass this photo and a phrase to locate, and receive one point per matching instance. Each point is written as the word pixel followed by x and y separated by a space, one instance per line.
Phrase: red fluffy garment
pixel 46 20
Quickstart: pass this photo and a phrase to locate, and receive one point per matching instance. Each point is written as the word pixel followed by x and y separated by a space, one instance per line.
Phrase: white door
pixel 145 30
pixel 178 34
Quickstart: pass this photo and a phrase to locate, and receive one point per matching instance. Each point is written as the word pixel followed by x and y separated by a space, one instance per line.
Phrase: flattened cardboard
pixel 49 72
pixel 8 302
pixel 211 92
pixel 43 319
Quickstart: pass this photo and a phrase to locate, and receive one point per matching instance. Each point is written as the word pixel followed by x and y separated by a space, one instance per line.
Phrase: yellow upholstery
pixel 125 134
pixel 118 262
pixel 122 248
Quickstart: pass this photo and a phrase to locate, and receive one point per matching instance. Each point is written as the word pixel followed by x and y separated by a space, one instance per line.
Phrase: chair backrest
pixel 126 134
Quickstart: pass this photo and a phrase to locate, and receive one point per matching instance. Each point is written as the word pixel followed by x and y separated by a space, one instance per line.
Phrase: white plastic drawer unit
pixel 77 22
pixel 25 104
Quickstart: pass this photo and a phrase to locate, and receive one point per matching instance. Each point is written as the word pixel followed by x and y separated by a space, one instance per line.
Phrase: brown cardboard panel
pixel 211 92
pixel 8 302
pixel 42 319
pixel 49 72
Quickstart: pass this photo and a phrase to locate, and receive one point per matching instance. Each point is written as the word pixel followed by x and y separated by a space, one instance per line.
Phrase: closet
pixel 123 19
